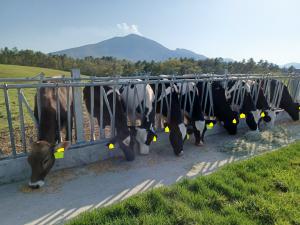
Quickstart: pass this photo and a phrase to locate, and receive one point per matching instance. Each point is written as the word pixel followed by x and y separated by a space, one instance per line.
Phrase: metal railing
pixel 22 123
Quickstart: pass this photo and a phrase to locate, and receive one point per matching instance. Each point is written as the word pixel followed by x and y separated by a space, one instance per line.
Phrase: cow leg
pixel 197 135
pixel 203 133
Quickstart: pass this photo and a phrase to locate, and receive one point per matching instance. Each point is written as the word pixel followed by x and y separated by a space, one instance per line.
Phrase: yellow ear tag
pixel 60 150
pixel 187 136
pixel 242 116
pixel 154 139
pixel 262 115
pixel 111 146
pixel 234 121
pixel 59 153
pixel 167 130
pixel 299 107
pixel 210 125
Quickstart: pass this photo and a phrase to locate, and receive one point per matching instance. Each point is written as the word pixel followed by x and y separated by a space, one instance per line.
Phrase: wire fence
pixel 25 101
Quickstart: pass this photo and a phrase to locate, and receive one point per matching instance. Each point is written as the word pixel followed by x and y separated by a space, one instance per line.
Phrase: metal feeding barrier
pixel 23 123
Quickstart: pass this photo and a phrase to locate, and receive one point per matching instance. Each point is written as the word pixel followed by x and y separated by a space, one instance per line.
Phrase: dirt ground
pixel 71 191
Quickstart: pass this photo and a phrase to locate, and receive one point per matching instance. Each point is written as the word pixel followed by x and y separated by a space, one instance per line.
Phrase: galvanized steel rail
pixel 76 84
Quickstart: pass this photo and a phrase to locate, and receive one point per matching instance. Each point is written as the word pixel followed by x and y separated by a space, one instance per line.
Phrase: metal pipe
pixel 22 125
pixel 10 125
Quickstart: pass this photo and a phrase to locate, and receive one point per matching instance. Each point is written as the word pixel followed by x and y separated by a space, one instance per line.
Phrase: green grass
pixel 261 190
pixel 14 71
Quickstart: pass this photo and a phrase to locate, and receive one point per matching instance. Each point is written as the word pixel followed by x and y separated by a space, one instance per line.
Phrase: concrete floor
pixel 72 191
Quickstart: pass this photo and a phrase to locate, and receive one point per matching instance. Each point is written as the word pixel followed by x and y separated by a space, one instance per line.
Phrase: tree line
pixel 111 66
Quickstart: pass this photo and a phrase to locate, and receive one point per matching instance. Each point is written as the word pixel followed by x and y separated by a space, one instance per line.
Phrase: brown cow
pixel 41 157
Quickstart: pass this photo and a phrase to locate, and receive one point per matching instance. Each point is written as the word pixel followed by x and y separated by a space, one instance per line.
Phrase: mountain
pixel 131 47
pixel 296 65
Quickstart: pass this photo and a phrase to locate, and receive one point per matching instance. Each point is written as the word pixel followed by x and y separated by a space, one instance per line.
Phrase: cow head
pixel 144 137
pixel 267 118
pixel 294 111
pixel 252 119
pixel 178 134
pixel 231 123
pixel 41 159
pixel 200 126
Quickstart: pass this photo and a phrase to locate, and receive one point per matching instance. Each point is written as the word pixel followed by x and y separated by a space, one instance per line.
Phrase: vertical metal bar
pixel 211 110
pixel 77 106
pixel 101 113
pixel 185 99
pixel 114 111
pixel 127 105
pixel 22 125
pixel 144 93
pixel 258 91
pixel 133 108
pixel 9 120
pixel 206 96
pixel 92 113
pixel 58 113
pixel 162 95
pixel 155 103
pixel 170 99
pixel 39 98
pixel 69 115
pixel 296 90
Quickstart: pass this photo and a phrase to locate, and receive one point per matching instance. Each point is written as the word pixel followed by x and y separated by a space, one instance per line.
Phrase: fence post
pixel 77 100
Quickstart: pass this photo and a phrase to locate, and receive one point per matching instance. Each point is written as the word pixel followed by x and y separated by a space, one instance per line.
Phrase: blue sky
pixel 262 29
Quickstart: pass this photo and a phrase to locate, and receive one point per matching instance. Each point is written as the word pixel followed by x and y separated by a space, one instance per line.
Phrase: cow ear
pixel 63 146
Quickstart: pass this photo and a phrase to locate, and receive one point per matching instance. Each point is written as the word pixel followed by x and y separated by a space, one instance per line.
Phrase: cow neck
pixel 175 111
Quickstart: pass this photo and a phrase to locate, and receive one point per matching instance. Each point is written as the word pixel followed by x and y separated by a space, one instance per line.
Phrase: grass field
pixel 261 190
pixel 10 71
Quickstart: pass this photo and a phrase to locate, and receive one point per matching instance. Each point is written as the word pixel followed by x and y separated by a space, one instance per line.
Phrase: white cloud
pixel 128 29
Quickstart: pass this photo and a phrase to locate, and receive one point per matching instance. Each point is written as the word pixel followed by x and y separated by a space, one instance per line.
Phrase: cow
pixel 41 158
pixel 123 135
pixel 267 114
pixel 245 104
pixel 222 109
pixel 286 102
pixel 169 105
pixel 137 98
pixel 192 109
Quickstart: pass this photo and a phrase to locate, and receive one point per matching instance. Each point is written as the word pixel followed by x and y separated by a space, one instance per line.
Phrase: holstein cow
pixel 286 102
pixel 123 136
pixel 41 158
pixel 267 115
pixel 222 110
pixel 133 96
pixel 192 109
pixel 245 104
pixel 174 122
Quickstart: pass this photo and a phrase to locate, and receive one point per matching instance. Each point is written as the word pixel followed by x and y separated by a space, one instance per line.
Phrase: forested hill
pixel 131 47
pixel 110 66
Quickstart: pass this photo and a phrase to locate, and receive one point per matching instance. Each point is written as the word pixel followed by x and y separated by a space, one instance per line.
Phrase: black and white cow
pixel 246 105
pixel 137 98
pixel 192 109
pixel 286 102
pixel 123 136
pixel 222 109
pixel 168 103
pixel 268 116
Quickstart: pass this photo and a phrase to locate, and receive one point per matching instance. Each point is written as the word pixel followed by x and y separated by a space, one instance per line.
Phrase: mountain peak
pixel 132 47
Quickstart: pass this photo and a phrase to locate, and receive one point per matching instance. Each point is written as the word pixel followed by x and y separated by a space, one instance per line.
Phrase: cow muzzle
pixel 36 185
